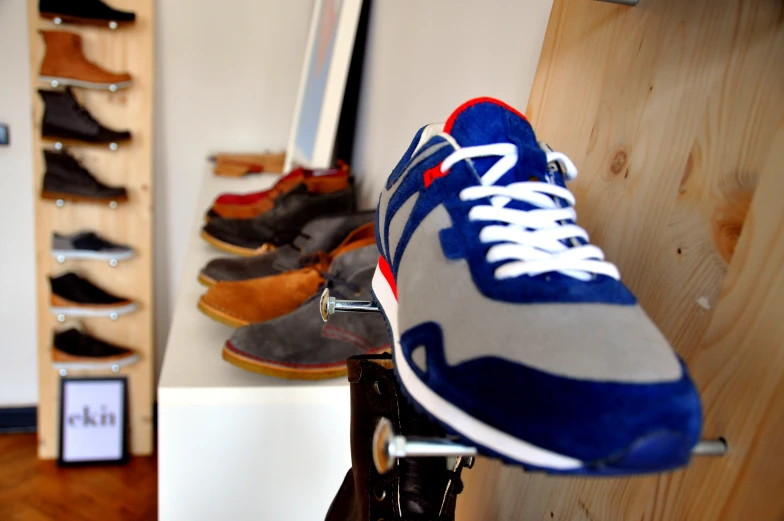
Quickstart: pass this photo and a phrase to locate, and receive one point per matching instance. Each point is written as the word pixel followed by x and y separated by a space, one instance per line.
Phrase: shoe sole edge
pixel 74 311
pixel 91 255
pixel 73 82
pixel 86 365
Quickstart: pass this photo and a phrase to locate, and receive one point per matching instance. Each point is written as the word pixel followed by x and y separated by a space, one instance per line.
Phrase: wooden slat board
pixel 127 49
pixel 673 112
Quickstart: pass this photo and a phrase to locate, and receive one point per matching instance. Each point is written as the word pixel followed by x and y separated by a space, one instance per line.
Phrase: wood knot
pixel 619 159
pixel 727 223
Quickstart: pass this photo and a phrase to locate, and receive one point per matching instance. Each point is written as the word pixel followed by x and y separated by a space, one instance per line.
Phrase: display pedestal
pixel 234 444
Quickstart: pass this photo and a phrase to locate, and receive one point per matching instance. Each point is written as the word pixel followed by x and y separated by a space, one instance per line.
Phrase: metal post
pixel 331 305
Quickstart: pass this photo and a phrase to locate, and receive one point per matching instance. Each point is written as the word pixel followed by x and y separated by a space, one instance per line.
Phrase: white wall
pixel 426 57
pixel 226 80
pixel 18 335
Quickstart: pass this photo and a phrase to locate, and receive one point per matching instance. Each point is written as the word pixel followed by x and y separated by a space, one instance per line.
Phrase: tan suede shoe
pixel 64 64
pixel 239 303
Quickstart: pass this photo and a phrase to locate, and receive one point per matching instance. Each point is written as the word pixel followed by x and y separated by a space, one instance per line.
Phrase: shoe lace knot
pixel 543 237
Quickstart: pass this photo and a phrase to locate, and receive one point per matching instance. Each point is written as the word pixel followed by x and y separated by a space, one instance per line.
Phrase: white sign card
pixel 93 420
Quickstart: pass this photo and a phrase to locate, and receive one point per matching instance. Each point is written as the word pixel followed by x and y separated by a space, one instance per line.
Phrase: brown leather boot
pixel 64 64
pixel 416 489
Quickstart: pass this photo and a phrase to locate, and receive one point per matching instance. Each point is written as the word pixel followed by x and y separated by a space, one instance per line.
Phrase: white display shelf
pixel 234 444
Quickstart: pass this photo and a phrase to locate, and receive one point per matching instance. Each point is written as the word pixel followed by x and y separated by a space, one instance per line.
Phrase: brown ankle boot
pixel 64 64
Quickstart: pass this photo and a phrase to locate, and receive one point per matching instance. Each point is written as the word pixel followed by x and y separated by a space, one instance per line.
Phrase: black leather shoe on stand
pixel 67 179
pixel 90 12
pixel 278 226
pixel 73 295
pixel 67 121
pixel 416 489
pixel 76 349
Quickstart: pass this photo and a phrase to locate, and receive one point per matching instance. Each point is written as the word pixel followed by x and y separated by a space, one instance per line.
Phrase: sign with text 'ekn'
pixel 93 421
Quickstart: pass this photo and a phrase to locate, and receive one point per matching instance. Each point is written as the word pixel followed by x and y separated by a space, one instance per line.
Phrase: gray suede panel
pixel 326 233
pixel 386 195
pixel 322 234
pixel 584 341
pixel 398 223
pixel 346 265
pixel 302 338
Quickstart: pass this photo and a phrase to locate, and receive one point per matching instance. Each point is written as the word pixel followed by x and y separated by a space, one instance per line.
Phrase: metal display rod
pixel 388 447
pixel 622 2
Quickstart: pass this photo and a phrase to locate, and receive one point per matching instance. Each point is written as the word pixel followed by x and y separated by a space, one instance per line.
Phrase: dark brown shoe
pixel 66 121
pixel 68 180
pixel 73 295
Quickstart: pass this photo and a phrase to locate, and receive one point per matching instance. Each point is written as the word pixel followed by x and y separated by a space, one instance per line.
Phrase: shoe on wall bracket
pixel 389 447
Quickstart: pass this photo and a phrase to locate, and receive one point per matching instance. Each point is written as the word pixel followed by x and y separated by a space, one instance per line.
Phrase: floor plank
pixel 33 490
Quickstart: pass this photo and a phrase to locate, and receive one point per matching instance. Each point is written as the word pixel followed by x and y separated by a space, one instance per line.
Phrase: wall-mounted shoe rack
pixel 119 48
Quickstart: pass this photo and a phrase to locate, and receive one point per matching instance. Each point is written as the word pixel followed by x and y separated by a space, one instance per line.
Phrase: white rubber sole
pixel 93 312
pixel 90 255
pixel 97 365
pixel 70 82
pixel 472 428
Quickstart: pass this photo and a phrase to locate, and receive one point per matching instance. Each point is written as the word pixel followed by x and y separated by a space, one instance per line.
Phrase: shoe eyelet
pixel 379 495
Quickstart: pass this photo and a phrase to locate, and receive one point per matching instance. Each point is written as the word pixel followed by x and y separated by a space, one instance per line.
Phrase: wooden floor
pixel 33 490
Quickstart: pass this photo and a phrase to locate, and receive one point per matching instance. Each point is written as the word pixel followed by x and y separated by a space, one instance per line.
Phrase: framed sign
pixel 322 84
pixel 93 420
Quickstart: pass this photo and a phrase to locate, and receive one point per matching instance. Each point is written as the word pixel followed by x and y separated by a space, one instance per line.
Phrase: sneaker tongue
pixel 486 121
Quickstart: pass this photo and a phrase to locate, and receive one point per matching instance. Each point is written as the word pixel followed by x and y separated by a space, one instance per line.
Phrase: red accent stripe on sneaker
pixel 432 174
pixel 470 103
pixel 387 272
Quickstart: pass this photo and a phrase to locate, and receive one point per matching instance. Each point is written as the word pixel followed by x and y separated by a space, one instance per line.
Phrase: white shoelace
pixel 531 241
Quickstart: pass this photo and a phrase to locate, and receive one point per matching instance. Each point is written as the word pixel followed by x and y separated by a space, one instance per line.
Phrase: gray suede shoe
pixel 319 235
pixel 300 345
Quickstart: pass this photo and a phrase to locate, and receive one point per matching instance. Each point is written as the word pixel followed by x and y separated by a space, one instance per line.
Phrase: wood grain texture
pixel 32 490
pixel 673 113
pixel 128 49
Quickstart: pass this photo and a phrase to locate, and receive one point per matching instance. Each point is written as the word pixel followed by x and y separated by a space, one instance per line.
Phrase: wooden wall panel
pixel 673 112
pixel 126 49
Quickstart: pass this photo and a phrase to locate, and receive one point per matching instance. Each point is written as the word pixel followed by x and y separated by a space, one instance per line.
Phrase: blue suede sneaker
pixel 509 327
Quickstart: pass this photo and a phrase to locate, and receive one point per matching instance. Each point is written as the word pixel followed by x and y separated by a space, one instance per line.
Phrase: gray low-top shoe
pixel 88 245
pixel 319 235
pixel 300 345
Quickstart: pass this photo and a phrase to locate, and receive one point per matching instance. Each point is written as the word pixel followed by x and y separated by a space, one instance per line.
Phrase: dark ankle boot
pixel 67 179
pixel 66 120
pixel 89 12
pixel 416 489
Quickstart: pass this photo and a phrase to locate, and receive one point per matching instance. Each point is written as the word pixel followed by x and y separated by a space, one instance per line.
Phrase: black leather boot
pixel 67 179
pixel 66 120
pixel 416 489
pixel 90 12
